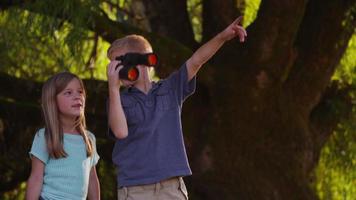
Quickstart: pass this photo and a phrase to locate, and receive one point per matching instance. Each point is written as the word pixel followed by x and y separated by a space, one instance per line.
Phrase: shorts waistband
pixel 173 182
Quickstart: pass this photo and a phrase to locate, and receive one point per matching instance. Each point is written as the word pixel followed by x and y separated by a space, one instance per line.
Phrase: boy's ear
pixel 111 57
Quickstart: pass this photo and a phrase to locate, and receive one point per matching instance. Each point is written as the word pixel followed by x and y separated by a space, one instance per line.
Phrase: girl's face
pixel 71 101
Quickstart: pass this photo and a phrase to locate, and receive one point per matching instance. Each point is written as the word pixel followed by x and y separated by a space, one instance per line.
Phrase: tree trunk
pixel 217 15
pixel 261 135
pixel 170 18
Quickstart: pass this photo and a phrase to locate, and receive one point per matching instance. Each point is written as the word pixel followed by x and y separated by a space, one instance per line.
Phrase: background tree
pixel 263 109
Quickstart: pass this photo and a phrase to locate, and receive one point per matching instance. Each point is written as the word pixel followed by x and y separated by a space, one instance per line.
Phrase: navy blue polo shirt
pixel 154 148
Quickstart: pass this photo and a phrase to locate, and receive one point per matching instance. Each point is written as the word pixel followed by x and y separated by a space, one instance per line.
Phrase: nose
pixel 77 95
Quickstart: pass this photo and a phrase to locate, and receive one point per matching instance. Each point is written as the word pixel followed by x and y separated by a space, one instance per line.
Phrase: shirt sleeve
pixel 39 147
pixel 179 82
pixel 95 156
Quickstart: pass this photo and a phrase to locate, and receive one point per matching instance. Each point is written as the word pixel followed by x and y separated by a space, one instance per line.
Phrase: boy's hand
pixel 113 74
pixel 234 30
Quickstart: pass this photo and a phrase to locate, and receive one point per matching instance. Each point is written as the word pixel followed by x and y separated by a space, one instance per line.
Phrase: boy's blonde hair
pixel 53 129
pixel 131 43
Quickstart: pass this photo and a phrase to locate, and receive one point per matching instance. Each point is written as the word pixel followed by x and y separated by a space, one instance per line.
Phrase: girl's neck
pixel 68 126
pixel 71 130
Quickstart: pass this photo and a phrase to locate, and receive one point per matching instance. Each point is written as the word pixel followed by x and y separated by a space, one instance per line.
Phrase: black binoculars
pixel 130 62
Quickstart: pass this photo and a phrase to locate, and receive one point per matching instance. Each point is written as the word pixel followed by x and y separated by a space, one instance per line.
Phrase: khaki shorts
pixel 170 189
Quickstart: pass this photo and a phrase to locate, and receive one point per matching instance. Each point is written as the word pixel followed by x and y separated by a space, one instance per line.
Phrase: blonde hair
pixel 132 43
pixel 53 128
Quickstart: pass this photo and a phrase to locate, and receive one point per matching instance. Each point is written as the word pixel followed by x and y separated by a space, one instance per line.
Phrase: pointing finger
pixel 238 20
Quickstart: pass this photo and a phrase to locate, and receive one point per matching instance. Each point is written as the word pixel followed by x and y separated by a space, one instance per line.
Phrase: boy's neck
pixel 144 86
pixel 144 83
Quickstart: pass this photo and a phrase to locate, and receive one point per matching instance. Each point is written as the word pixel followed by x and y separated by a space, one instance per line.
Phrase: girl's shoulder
pixel 90 135
pixel 40 132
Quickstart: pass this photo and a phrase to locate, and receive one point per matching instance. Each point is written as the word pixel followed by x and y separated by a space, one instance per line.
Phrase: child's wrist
pixel 114 91
pixel 220 37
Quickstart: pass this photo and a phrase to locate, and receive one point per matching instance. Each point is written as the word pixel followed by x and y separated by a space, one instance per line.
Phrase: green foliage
pixel 117 10
pixel 107 178
pixel 336 172
pixel 195 14
pixel 346 72
pixel 250 12
pixel 34 45
pixel 17 193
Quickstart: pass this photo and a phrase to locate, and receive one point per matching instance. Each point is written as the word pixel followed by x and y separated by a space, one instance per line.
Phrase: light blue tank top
pixel 65 178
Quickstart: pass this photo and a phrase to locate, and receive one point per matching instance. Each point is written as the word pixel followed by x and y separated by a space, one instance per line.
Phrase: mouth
pixel 78 105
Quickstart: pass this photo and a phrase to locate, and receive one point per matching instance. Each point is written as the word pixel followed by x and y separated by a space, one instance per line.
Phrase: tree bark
pixel 170 18
pixel 217 15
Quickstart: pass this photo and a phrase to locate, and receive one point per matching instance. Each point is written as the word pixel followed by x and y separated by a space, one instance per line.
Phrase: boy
pixel 149 152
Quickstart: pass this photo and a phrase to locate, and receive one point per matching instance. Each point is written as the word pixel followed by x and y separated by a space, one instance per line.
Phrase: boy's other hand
pixel 234 30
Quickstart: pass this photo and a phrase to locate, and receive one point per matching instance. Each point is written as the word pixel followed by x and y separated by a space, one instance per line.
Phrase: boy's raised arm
pixel 205 52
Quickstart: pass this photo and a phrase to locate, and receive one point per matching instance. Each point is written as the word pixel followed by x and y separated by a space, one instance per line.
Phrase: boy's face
pixel 120 52
pixel 123 51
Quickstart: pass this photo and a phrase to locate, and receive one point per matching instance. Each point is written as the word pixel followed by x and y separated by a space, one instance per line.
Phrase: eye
pixel 67 92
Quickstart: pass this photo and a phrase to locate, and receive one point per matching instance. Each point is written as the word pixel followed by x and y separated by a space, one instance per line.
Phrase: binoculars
pixel 130 62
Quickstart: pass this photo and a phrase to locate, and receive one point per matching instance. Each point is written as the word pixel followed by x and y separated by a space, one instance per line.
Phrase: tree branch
pixel 217 15
pixel 166 16
pixel 273 34
pixel 322 40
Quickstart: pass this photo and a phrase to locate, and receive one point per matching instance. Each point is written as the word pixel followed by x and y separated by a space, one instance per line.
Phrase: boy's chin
pixel 127 83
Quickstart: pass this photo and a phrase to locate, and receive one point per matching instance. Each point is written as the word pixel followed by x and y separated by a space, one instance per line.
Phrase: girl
pixel 63 153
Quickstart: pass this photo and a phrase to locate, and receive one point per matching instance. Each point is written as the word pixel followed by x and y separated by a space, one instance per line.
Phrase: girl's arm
pixel 35 181
pixel 94 186
pixel 205 52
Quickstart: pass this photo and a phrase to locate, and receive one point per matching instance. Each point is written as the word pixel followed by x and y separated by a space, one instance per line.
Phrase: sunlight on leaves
pixel 346 72
pixel 45 48
pixel 195 13
pixel 336 171
pixel 250 12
